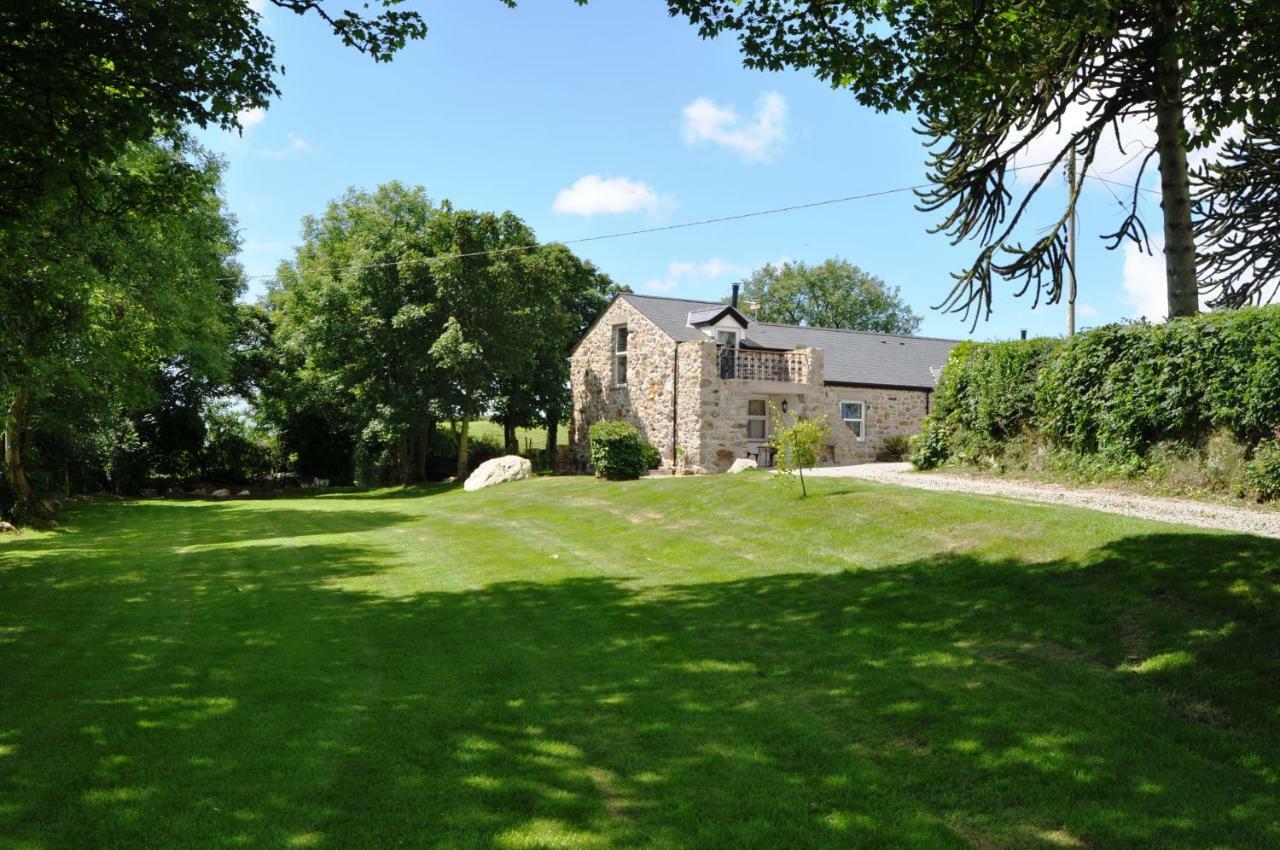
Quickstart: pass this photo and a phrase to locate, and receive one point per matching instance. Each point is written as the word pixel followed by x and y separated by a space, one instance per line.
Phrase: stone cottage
pixel 698 379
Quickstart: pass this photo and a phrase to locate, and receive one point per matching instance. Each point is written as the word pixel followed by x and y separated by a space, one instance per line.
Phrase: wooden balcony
pixel 746 364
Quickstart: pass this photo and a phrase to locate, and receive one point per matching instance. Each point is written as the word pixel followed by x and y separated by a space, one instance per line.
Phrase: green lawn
pixel 677 663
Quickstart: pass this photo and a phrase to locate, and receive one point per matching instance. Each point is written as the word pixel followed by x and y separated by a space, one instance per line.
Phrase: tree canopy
pixel 80 80
pixel 833 294
pixel 100 309
pixel 987 80
pixel 403 312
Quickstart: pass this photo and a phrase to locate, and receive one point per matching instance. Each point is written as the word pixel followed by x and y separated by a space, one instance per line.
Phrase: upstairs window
pixel 729 339
pixel 620 355
pixel 854 414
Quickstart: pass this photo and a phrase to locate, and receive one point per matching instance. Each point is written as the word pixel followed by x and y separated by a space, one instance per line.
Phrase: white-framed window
pixel 757 419
pixel 854 414
pixel 620 355
pixel 729 339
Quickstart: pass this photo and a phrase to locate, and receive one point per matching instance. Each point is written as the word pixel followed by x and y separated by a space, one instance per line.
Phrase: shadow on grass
pixel 237 696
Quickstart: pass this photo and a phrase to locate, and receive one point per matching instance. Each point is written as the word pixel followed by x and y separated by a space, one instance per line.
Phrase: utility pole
pixel 1071 247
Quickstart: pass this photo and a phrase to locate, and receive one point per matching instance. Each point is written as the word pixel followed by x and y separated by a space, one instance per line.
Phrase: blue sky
pixel 614 117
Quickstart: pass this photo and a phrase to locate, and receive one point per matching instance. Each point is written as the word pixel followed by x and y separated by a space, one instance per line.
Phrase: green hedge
pixel 618 451
pixel 1113 393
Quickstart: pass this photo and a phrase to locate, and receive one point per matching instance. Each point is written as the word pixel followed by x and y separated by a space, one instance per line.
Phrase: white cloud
pixel 296 147
pixel 685 271
pixel 1111 160
pixel 757 140
pixel 1145 288
pixel 1086 309
pixel 593 195
pixel 250 118
pixel 1143 283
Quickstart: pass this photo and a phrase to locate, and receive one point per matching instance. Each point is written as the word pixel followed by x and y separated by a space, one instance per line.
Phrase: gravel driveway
pixel 1159 508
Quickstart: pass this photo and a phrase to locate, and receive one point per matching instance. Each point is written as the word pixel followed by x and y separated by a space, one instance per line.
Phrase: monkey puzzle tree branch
pixel 1238 220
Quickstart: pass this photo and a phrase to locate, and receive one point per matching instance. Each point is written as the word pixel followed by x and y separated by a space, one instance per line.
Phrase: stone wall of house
pixel 697 366
pixel 887 412
pixel 644 401
pixel 724 408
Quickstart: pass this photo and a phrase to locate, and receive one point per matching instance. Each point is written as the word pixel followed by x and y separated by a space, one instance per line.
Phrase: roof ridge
pixel 670 298
pixel 783 325
pixel 855 331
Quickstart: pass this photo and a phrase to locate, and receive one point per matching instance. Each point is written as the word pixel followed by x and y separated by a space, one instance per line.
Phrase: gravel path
pixel 1159 508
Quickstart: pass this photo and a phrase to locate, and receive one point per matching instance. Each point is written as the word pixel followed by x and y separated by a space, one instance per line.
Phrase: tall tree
pixel 989 79
pixel 93 306
pixel 483 283
pixel 833 294
pixel 358 308
pixel 462 361
pixel 569 293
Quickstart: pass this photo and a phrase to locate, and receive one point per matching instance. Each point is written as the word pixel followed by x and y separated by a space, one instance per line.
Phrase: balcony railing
pixel 745 364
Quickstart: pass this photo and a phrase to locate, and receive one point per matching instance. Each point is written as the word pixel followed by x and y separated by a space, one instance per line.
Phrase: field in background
pixel 530 438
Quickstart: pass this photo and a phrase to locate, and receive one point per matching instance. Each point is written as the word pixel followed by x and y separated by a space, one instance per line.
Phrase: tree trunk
pixel 553 438
pixel 15 438
pixel 402 459
pixel 1175 181
pixel 463 433
pixel 510 444
pixel 423 453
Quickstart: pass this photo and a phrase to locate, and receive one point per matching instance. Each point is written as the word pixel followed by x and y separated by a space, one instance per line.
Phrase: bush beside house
pixel 618 451
pixel 1194 403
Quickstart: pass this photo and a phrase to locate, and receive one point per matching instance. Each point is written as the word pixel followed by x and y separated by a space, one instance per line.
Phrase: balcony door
pixel 728 353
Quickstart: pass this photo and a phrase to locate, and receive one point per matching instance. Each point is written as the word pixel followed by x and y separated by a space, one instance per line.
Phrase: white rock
pixel 742 464
pixel 244 493
pixel 498 470
pixel 221 494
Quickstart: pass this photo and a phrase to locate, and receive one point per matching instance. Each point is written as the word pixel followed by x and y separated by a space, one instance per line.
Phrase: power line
pixel 657 229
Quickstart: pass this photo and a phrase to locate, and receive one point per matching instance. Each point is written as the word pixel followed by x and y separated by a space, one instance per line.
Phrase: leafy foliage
pixel 618 451
pixel 80 81
pixel 1113 393
pixel 797 444
pixel 897 445
pixel 832 294
pixel 102 315
pixel 398 313
pixel 1262 473
pixel 1238 207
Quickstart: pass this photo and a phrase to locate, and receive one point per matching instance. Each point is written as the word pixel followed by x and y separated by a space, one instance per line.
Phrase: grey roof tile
pixel 851 357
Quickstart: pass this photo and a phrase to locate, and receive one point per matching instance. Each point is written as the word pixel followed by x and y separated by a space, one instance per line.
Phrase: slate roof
pixel 850 357
pixel 711 315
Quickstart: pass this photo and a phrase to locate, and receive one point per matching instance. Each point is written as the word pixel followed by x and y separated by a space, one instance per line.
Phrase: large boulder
pixel 742 464
pixel 224 493
pixel 498 470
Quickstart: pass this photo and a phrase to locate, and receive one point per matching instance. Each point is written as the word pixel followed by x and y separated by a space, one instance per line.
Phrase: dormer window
pixel 727 339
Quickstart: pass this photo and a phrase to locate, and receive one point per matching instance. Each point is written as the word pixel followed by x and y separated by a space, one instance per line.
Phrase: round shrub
pixel 619 452
pixel 652 460
pixel 929 448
